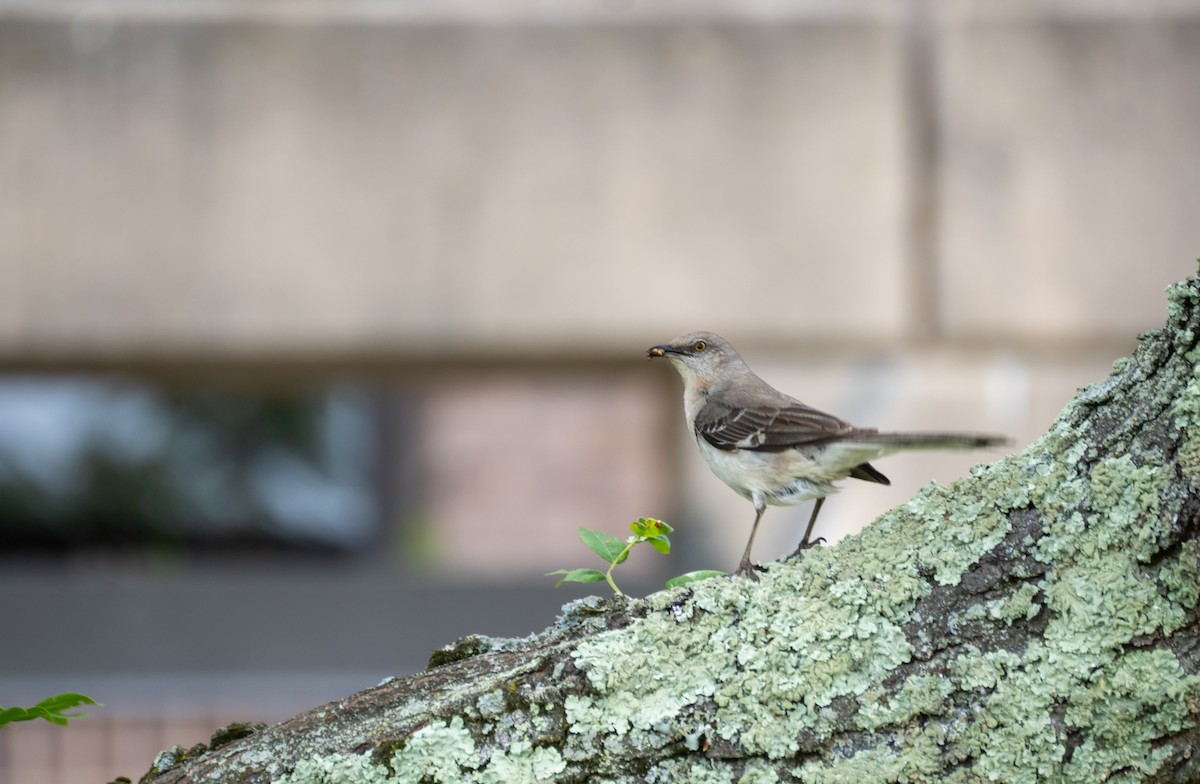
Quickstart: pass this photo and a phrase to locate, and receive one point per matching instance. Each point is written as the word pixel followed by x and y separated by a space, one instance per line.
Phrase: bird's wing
pixel 767 428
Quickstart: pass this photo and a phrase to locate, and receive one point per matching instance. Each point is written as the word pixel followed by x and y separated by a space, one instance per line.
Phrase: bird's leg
pixel 805 543
pixel 745 568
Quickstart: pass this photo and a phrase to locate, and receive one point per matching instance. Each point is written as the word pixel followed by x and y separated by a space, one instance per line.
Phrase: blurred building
pixel 322 323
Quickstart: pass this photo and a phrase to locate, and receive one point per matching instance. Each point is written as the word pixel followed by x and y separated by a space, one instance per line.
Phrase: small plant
pixel 613 551
pixel 51 709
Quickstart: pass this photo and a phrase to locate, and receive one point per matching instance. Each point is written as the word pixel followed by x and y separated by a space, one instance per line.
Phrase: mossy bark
pixel 1036 621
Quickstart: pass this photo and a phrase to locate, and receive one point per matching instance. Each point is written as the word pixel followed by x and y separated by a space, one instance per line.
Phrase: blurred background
pixel 322 324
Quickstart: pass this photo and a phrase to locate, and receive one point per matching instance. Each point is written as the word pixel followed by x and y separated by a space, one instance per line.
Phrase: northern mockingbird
pixel 771 448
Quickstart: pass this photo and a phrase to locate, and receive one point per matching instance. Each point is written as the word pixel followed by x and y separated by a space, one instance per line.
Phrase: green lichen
pixel 522 762
pixel 1188 456
pixel 974 671
pixel 916 760
pixel 1020 605
pixel 772 672
pixel 491 705
pixel 439 752
pixel 336 769
pixel 176 756
pixel 701 771
pixel 1103 602
pixel 705 771
pixel 758 773
pixel 919 695
pixel 1180 578
pixel 1127 706
pixel 1182 297
pixel 961 530
pixel 1128 495
pixel 1011 738
pixel 1186 412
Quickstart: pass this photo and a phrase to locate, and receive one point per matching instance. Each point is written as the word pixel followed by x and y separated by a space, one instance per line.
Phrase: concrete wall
pixel 1069 169
pixel 397 185
pixel 313 179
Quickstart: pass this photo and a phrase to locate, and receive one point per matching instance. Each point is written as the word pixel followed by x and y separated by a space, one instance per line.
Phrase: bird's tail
pixel 899 441
pixel 852 450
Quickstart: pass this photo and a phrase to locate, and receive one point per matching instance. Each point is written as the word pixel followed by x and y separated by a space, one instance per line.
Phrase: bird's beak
pixel 656 351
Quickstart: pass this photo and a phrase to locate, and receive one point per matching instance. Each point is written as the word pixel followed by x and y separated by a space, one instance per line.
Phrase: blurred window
pixel 483 472
pixel 90 462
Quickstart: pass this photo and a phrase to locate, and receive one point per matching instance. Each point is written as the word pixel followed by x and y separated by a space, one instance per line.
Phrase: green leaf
pixel 648 527
pixel 9 715
pixel 61 702
pixel 53 718
pixel 607 546
pixel 660 543
pixel 692 577
pixel 577 576
pixel 51 709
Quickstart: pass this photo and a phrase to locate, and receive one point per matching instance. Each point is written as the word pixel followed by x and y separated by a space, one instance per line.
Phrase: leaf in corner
pixel 51 709
pixel 61 702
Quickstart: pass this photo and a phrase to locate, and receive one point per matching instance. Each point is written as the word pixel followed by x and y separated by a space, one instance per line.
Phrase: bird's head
pixel 698 356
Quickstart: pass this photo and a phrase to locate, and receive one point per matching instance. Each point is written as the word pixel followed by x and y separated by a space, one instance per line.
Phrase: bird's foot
pixel 806 544
pixel 747 569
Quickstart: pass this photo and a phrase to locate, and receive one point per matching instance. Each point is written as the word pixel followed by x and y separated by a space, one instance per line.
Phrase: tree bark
pixel 1036 621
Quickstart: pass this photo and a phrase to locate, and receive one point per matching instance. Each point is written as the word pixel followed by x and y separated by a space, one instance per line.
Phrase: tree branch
pixel 1035 621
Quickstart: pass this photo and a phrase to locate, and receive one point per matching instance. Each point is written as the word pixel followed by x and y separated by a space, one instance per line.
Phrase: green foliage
pixel 614 551
pixel 51 709
pixel 610 549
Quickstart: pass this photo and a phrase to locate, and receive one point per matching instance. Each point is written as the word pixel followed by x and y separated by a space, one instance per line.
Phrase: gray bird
pixel 769 447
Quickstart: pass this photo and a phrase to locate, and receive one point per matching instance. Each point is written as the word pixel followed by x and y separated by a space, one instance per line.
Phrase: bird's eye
pixel 699 346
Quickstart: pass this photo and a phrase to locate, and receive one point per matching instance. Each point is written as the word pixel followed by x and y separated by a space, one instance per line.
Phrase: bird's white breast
pixel 774 478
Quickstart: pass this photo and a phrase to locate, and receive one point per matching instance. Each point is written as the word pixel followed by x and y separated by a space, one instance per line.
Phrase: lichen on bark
pixel 1035 621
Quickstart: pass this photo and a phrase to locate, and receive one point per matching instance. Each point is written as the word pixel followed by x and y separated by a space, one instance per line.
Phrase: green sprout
pixel 51 709
pixel 613 551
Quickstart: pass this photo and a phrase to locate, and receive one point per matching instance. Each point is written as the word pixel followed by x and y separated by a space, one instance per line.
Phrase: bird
pixel 771 448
